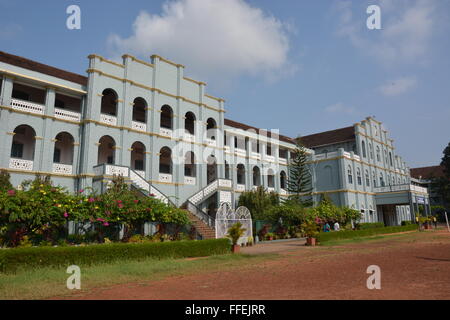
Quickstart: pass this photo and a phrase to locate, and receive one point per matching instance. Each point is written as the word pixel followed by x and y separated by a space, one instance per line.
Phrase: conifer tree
pixel 299 183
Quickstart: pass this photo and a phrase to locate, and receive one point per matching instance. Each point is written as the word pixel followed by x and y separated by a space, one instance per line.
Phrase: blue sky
pixel 300 66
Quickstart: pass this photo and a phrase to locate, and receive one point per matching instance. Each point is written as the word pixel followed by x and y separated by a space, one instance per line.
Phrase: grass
pixel 393 236
pixel 50 282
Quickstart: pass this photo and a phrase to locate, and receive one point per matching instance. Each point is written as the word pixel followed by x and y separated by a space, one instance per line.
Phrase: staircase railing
pixel 139 182
pixel 200 214
pixel 209 190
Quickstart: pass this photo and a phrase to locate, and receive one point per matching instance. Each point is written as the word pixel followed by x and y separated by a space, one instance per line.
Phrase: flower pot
pixel 311 242
pixel 235 248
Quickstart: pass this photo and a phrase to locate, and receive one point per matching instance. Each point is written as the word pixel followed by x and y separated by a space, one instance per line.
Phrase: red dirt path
pixel 414 266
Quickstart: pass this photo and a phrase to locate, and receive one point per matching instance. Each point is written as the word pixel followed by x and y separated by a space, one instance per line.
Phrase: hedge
pixel 349 234
pixel 371 225
pixel 36 257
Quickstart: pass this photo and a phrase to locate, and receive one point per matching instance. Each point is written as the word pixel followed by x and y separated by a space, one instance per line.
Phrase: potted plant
pixel 234 233
pixel 269 236
pixel 250 241
pixel 310 231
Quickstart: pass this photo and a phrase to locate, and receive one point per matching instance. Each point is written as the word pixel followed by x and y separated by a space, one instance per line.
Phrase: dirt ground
pixel 413 266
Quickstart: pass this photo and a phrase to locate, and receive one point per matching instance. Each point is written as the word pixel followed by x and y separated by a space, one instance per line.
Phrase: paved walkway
pixel 274 246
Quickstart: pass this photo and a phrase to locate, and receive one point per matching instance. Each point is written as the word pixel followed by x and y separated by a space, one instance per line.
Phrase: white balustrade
pixel 108 119
pixel 240 152
pixel 211 142
pixel 27 106
pixel 256 155
pixel 116 171
pixel 240 187
pixel 356 157
pixel 139 126
pixel 166 132
pixel 269 158
pixel 224 196
pixel 67 115
pixel 62 168
pixel 282 161
pixel 138 179
pixel 270 189
pixel 224 183
pixel 189 137
pixel 163 177
pixel 141 173
pixel 283 191
pixel 21 164
pixel 190 181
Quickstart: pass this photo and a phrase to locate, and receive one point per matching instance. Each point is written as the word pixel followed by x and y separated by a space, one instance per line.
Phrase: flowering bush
pixel 41 211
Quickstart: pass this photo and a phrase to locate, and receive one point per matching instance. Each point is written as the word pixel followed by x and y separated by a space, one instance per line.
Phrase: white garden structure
pixel 227 217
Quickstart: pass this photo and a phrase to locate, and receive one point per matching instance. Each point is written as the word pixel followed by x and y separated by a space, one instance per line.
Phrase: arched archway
pixel 241 174
pixel 138 157
pixel 190 169
pixel 109 102
pixel 211 169
pixel 283 180
pixel 106 150
pixel 189 123
pixel 63 151
pixel 270 179
pixel 140 110
pixel 256 176
pixel 211 128
pixel 23 148
pixel 166 117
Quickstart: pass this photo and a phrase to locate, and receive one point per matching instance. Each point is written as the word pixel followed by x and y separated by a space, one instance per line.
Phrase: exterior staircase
pixel 202 229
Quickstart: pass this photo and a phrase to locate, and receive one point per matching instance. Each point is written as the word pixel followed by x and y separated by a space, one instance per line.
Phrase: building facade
pixel 159 129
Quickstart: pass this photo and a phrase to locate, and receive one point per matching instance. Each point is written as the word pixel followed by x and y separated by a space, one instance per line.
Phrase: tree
pixel 441 185
pixel 258 201
pixel 299 182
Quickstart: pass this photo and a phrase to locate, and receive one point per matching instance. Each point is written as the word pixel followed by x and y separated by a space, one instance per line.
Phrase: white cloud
pixel 407 29
pixel 398 86
pixel 214 39
pixel 340 108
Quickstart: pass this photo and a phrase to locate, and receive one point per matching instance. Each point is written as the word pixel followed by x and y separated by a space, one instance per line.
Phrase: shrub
pixel 370 225
pixel 235 232
pixel 258 201
pixel 5 184
pixel 407 223
pixel 30 258
pixel 350 234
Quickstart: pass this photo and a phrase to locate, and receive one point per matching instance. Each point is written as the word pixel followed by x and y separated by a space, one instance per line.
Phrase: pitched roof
pixel 427 172
pixel 329 137
pixel 42 68
pixel 243 126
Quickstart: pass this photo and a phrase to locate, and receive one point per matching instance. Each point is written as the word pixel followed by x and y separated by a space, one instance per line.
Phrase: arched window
pixel 367 178
pixel 211 128
pixel 166 117
pixel 363 147
pixel 381 180
pixel 393 180
pixel 378 154
pixel 270 178
pixel 227 170
pixel 283 180
pixel 109 102
pixel 189 165
pixel 399 181
pixel 358 176
pixel 350 174
pixel 374 179
pixel 106 150
pixel 165 161
pixel 240 174
pixel 256 176
pixel 328 174
pixel 385 157
pixel 390 159
pixel 23 144
pixel 138 157
pixel 189 123
pixel 370 151
pixel 211 169
pixel 139 110
pixel 63 152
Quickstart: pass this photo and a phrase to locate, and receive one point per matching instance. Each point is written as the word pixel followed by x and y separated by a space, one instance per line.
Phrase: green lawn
pixel 49 282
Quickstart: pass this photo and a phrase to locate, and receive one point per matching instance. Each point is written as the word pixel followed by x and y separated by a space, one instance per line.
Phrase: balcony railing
pixel 269 158
pixel 240 187
pixel 67 115
pixel 400 187
pixel 62 168
pixel 27 106
pixel 166 132
pixel 164 177
pixel 108 119
pixel 139 126
pixel 189 137
pixel 240 152
pixel 190 181
pixel 256 155
pixel 282 160
pixel 21 164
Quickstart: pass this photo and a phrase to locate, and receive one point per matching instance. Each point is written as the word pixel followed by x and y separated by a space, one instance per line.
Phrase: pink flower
pixel 11 192
pixel 108 213
pixel 151 194
pixel 119 201
pixel 120 205
pixel 100 219
pixel 136 201
pixel 106 224
pixel 66 214
pixel 81 191
pixel 91 200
